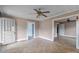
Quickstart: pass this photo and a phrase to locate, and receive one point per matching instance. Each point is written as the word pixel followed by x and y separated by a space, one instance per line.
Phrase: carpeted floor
pixel 38 45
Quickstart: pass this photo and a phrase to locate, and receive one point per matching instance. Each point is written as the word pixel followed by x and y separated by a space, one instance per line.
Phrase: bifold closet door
pixel 8 30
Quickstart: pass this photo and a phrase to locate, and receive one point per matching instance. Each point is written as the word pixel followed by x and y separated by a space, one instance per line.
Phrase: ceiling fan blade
pixel 44 15
pixel 36 10
pixel 46 12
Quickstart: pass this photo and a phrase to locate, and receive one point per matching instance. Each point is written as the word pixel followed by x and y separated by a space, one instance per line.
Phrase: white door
pixel 8 30
pixel 30 30
pixel 0 30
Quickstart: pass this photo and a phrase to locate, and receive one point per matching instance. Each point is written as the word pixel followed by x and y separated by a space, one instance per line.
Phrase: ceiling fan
pixel 39 12
pixel 67 21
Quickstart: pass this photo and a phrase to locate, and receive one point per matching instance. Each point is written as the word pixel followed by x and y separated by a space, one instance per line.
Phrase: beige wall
pixel 42 28
pixel 70 29
pixel 21 29
pixel 36 28
pixel 55 29
pixel 45 29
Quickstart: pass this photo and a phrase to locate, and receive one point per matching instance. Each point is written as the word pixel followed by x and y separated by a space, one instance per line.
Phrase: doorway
pixel 58 31
pixel 66 32
pixel 30 30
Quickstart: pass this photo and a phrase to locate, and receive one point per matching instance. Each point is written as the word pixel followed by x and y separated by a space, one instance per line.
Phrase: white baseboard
pixel 45 38
pixel 68 36
pixel 21 39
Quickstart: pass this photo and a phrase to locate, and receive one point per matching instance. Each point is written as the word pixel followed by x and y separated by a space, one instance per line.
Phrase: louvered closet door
pixel 8 31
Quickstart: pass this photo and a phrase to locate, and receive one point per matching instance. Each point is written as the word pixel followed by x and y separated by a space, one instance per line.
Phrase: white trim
pixel 21 39
pixel 53 32
pixel 64 17
pixel 68 36
pixel 45 38
pixel 77 34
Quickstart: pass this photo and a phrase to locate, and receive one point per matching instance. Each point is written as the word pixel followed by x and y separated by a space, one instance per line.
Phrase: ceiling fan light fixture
pixel 41 13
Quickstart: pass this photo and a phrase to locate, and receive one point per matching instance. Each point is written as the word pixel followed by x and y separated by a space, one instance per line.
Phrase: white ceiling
pixel 27 12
